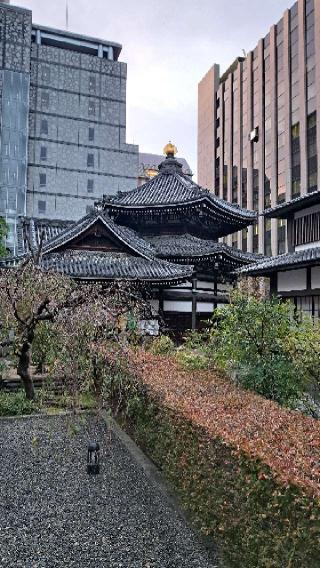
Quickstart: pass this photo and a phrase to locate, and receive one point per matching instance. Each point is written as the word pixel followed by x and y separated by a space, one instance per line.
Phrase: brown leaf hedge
pixel 284 440
pixel 244 469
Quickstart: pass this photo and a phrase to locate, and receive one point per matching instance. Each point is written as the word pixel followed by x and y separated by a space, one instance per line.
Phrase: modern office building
pixel 63 121
pixel 258 125
pixel 295 276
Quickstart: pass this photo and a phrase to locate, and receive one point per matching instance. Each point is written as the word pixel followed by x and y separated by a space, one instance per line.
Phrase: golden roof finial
pixel 170 149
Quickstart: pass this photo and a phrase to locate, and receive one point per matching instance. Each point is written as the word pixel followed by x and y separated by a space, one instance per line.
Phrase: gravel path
pixel 52 514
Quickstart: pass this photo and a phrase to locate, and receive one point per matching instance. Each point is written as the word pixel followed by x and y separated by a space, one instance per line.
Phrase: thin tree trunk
pixel 24 367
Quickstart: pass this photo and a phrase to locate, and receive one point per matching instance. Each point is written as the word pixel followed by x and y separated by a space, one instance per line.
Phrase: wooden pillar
pixel 215 290
pixel 160 296
pixel 194 304
pixel 273 284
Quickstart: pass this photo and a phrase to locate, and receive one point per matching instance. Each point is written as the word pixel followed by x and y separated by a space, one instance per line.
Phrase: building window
pixel 267 237
pixel 217 176
pixel 46 73
pixel 255 194
pixel 45 100
pixel 92 83
pixel 234 184
pixel 295 160
pixel 307 229
pixel 91 108
pixel 90 161
pixel 225 182
pixel 281 236
pixel 244 187
pixel 244 240
pixel 91 134
pixel 90 185
pixel 43 180
pixel 267 192
pixel 255 244
pixel 42 206
pixel 44 127
pixel 312 152
pixel 43 153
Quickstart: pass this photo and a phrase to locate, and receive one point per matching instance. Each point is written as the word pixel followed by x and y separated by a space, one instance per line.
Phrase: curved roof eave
pixel 225 210
pixel 70 233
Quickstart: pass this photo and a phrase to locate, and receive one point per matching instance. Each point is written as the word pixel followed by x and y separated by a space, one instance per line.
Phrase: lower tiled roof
pixel 291 260
pixel 189 246
pixel 110 266
pixel 30 231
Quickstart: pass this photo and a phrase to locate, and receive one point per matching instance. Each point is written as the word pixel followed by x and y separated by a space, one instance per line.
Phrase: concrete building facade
pixel 258 125
pixel 63 121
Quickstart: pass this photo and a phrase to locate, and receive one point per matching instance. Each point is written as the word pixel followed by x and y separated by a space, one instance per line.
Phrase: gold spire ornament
pixel 170 149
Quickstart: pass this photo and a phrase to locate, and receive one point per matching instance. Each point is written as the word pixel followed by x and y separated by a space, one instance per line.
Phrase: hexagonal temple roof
pixel 171 191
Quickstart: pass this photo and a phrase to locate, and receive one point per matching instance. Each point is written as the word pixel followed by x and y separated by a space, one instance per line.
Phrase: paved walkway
pixel 52 514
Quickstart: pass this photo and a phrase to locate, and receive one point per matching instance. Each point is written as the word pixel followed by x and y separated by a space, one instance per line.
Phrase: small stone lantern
pixel 93 465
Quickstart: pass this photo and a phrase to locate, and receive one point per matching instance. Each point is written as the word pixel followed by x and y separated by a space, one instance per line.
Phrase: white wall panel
pixel 177 306
pixel 205 307
pixel 315 277
pixel 292 280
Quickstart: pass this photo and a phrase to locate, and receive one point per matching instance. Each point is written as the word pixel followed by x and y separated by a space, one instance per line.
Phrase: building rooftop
pixel 76 41
pixel 297 259
pixel 284 210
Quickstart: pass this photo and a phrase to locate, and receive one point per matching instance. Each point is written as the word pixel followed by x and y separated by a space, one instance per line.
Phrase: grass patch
pixel 16 404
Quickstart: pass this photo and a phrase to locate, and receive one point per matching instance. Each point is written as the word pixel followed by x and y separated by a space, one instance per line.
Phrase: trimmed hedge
pixel 257 517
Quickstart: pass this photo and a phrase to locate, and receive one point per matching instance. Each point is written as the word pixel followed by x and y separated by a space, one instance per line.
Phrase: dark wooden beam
pixel 194 303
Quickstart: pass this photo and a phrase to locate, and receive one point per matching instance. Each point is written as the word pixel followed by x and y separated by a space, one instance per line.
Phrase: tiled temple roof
pixel 284 209
pixel 171 188
pixel 30 230
pixel 297 259
pixel 126 235
pixel 111 266
pixel 189 246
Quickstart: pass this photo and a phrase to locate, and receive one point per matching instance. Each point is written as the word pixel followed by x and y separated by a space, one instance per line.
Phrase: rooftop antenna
pixel 67 16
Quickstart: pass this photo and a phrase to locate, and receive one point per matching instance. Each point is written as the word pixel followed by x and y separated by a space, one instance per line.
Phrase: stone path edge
pixel 153 472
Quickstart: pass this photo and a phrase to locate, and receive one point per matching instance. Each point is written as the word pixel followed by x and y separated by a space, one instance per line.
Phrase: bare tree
pixel 84 315
pixel 29 296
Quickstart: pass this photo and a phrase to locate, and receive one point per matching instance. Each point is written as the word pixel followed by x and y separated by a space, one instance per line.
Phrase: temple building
pixel 163 234
pixel 296 275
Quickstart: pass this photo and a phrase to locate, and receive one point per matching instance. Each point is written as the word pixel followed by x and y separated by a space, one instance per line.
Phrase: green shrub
pixel 162 345
pixel 250 336
pixel 16 404
pixel 192 360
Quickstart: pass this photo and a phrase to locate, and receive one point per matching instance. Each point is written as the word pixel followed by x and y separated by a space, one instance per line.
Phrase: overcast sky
pixel 168 47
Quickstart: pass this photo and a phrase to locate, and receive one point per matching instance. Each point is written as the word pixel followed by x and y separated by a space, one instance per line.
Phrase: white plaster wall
pixel 205 284
pixel 315 277
pixel 177 306
pixel 292 280
pixel 205 307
